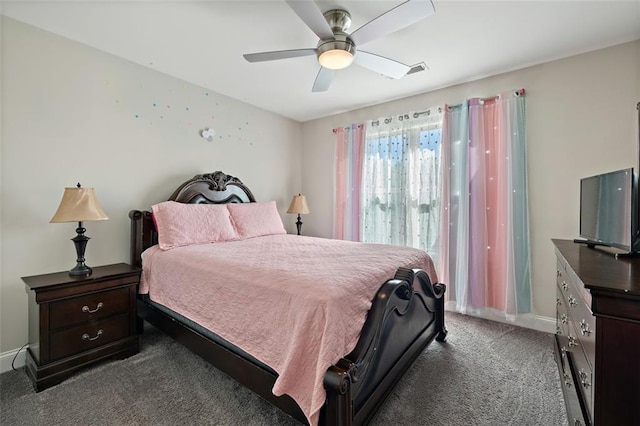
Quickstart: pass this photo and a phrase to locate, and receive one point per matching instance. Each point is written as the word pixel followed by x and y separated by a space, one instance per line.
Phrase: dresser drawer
pixel 90 307
pixel 574 305
pixel 584 324
pixel 562 317
pixel 88 336
pixel 569 389
pixel 583 377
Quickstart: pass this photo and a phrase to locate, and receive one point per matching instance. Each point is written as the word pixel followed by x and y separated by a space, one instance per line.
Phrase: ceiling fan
pixel 337 50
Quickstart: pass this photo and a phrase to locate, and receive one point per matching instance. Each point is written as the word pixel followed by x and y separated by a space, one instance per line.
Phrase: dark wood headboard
pixel 210 188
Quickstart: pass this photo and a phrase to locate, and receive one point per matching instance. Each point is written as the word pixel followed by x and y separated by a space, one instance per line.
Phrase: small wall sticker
pixel 208 134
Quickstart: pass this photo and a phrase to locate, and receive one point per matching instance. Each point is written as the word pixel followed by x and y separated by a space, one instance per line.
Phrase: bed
pixel 405 314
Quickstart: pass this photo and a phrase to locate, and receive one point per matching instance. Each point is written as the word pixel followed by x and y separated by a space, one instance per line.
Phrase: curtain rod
pixel 347 128
pixel 402 117
pixel 517 93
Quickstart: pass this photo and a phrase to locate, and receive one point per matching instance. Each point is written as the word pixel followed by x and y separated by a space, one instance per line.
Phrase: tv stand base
pixel 618 255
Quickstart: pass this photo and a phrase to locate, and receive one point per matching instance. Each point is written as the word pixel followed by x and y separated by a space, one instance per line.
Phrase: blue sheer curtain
pixel 454 230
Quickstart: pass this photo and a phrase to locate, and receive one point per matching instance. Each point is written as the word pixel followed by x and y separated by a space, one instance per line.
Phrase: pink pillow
pixel 180 224
pixel 256 219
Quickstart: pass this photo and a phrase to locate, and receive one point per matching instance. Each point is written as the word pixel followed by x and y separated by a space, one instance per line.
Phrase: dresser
pixel 598 334
pixel 77 321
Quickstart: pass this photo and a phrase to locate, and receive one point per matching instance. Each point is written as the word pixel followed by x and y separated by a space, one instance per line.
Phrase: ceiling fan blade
pixel 278 54
pixel 323 80
pixel 399 17
pixel 311 15
pixel 381 65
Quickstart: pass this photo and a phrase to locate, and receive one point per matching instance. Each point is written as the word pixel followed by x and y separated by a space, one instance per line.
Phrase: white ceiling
pixel 203 42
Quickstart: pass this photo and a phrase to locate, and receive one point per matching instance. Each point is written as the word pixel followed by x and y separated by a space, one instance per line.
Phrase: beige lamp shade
pixel 79 205
pixel 298 205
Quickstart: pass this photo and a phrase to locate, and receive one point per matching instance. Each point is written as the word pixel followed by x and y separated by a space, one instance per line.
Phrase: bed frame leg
pixel 339 404
pixel 139 325
pixel 442 331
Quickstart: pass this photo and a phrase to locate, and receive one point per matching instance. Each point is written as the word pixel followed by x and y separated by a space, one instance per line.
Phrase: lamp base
pixel 80 270
pixel 299 224
pixel 80 242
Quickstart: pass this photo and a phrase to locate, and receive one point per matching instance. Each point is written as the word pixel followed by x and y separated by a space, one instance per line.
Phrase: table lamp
pixel 298 205
pixel 79 205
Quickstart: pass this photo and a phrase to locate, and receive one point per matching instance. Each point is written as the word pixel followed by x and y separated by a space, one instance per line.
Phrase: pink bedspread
pixel 295 303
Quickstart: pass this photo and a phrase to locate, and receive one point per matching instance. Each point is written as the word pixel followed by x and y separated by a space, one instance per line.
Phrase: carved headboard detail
pixel 213 188
pixel 209 188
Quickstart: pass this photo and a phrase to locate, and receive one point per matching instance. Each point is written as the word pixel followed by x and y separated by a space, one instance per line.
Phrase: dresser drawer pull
pixel 572 342
pixel 577 422
pixel 564 319
pixel 584 328
pixel 584 379
pixel 567 380
pixel 558 302
pixel 85 308
pixel 565 286
pixel 572 301
pixel 85 336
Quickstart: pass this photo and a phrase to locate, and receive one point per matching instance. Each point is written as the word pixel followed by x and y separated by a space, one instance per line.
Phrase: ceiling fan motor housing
pixel 338 19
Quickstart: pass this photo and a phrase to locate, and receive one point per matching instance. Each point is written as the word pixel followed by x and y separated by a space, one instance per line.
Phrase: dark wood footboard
pixel 407 314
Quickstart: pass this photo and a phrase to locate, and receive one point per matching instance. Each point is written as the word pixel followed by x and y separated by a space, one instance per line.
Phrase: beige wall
pixel 69 115
pixel 581 120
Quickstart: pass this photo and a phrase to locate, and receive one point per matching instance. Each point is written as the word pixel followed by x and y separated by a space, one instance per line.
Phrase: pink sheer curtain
pixel 488 197
pixel 349 151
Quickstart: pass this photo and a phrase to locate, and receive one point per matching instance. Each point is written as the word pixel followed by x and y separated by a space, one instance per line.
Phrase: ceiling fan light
pixel 335 59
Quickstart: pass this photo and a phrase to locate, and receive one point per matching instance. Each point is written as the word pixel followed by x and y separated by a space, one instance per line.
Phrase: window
pixel 400 186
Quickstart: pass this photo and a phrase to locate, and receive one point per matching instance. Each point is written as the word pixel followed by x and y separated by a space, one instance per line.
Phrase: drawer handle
pixel 584 379
pixel 558 302
pixel 85 336
pixel 85 308
pixel 567 380
pixel 577 422
pixel 584 328
pixel 572 342
pixel 572 301
pixel 565 286
pixel 564 319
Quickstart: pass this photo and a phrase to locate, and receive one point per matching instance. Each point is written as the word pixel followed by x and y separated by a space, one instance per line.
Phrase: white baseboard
pixel 6 358
pixel 535 322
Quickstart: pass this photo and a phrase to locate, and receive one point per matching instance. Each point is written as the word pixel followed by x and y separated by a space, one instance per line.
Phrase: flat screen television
pixel 609 211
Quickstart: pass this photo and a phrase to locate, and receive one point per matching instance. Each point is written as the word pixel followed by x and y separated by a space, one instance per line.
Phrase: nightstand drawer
pixel 88 336
pixel 90 307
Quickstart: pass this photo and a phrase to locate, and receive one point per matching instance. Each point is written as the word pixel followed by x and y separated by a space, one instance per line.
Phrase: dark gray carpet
pixel 487 373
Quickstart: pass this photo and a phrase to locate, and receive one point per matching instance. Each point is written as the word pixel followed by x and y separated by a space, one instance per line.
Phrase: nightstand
pixel 76 321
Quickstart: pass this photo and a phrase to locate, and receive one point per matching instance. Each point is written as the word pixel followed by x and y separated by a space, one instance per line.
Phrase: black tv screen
pixel 607 209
